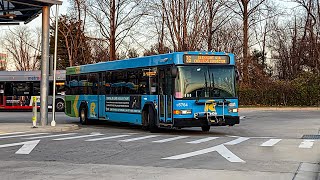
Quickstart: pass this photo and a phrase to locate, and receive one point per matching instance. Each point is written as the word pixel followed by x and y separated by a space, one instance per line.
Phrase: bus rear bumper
pixel 191 122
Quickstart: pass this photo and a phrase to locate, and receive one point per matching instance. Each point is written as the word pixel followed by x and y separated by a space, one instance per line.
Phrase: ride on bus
pixel 176 90
pixel 18 87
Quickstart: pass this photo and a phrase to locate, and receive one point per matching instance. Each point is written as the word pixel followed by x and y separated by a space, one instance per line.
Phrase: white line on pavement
pixel 78 137
pixel 26 148
pixel 221 149
pixel 170 139
pixel 110 137
pixel 56 135
pixel 236 141
pixel 202 140
pixel 270 142
pixel 23 135
pixel 307 143
pixel 12 133
pixel 139 138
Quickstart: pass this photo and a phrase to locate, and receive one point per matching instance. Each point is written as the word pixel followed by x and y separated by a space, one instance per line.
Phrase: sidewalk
pixel 27 127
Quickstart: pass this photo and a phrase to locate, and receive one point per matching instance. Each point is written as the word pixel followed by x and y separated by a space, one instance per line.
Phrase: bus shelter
pixel 14 12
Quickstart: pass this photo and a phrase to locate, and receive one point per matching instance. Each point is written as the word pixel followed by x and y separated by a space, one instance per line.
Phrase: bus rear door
pixel 2 99
pixel 165 97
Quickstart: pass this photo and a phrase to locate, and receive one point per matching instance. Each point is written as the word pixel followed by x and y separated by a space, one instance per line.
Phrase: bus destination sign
pixel 206 59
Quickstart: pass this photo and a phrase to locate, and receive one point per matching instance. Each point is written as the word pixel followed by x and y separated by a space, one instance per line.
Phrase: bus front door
pixel 165 97
pixel 2 99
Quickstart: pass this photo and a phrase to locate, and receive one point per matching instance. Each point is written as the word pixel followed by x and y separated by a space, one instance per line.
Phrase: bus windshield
pixel 205 81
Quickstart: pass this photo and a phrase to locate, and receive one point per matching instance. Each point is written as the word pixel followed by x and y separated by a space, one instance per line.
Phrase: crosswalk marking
pixel 270 142
pixel 202 140
pixel 78 137
pixel 110 137
pixel 139 138
pixel 12 133
pixel 23 135
pixel 170 139
pixel 237 141
pixel 306 143
pixel 56 135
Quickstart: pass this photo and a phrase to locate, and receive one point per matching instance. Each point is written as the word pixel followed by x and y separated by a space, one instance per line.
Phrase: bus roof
pixel 28 75
pixel 140 62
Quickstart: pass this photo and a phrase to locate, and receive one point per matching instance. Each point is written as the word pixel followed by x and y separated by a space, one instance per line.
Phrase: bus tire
pixel 145 122
pixel 153 128
pixel 59 105
pixel 205 128
pixel 83 115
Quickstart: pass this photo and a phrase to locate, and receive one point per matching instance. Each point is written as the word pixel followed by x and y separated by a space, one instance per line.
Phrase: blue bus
pixel 175 90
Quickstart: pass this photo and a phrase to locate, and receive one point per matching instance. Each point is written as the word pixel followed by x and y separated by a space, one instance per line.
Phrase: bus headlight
pixel 233 110
pixel 183 112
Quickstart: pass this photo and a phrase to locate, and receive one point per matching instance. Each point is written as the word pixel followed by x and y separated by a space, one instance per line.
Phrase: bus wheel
pixel 152 121
pixel 83 116
pixel 59 105
pixel 205 128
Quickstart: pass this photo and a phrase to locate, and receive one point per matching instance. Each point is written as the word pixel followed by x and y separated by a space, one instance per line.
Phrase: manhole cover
pixel 311 136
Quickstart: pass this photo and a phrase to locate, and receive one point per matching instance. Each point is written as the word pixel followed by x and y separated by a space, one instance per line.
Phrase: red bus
pixel 17 88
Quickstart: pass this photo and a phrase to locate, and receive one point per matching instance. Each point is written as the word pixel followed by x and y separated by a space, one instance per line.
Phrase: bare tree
pixel 115 19
pixel 24 47
pixel 245 10
pixel 184 21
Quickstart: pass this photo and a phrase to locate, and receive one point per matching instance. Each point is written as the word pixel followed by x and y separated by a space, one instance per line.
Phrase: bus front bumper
pixel 192 122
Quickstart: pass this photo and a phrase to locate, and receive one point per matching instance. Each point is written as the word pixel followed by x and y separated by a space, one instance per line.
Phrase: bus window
pixel 8 89
pixel 83 83
pixel 36 89
pixel 93 80
pixel 21 88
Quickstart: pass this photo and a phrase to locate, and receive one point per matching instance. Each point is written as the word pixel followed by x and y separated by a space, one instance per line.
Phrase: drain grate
pixel 311 136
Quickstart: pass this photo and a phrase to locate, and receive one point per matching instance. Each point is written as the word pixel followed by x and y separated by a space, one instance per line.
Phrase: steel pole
pixel 44 87
pixel 53 122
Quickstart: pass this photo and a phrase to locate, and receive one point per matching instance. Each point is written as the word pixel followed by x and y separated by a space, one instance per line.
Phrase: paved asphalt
pixel 266 145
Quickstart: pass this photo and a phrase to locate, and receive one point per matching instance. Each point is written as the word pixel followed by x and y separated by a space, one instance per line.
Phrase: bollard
pixel 34 112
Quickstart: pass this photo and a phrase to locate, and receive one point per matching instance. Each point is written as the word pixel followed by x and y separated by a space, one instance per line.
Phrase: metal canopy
pixel 16 11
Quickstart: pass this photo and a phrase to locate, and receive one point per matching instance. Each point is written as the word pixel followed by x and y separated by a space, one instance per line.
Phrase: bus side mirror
pixel 174 72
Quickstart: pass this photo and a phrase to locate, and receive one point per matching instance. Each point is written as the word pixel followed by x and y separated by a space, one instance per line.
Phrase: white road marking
pixel 307 143
pixel 26 148
pixel 202 140
pixel 23 135
pixel 110 137
pixel 236 141
pixel 221 149
pixel 270 142
pixel 56 135
pixel 78 137
pixel 139 138
pixel 12 133
pixel 170 139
